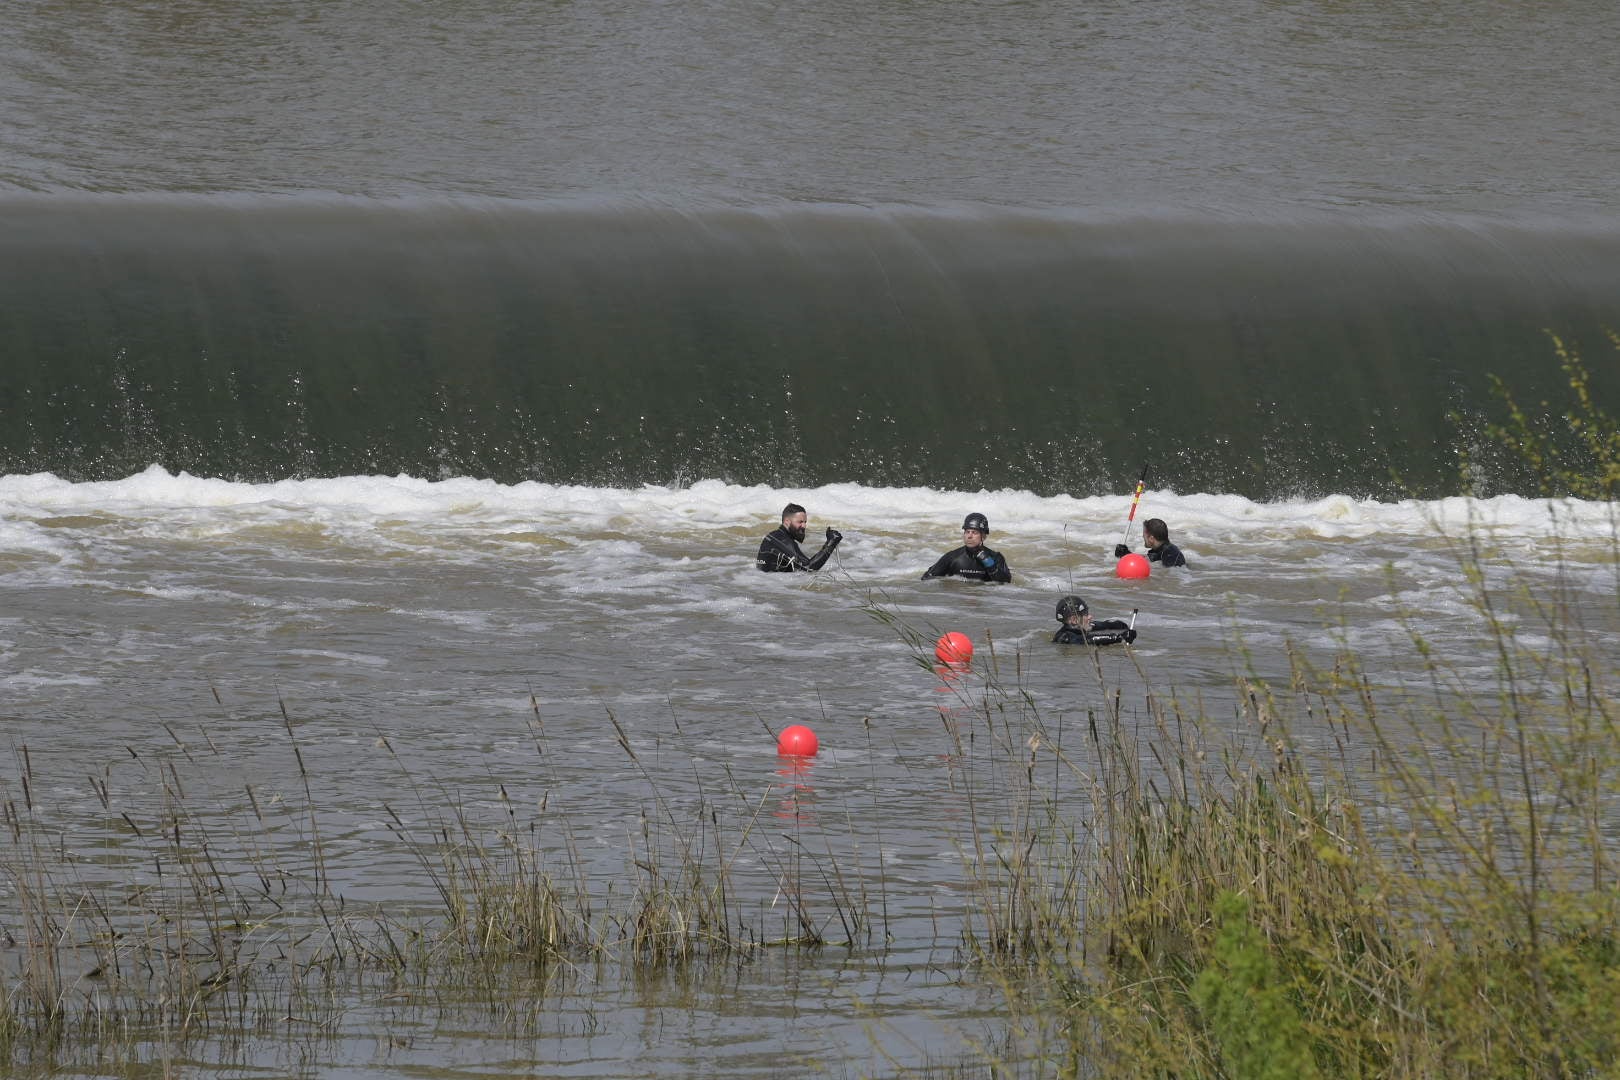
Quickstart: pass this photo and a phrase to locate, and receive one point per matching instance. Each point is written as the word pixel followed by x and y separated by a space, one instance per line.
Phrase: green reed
pixel 151 933
pixel 1380 865
pixel 1424 886
pixel 1581 456
pixel 195 913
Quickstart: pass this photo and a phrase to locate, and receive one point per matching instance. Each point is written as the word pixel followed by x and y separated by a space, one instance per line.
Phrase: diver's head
pixel 794 520
pixel 1071 610
pixel 975 527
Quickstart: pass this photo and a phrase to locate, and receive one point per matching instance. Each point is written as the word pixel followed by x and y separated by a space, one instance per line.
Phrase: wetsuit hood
pixel 1070 605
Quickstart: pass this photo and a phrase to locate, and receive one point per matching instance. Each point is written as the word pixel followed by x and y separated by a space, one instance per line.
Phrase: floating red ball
pixel 796 740
pixel 1133 566
pixel 953 648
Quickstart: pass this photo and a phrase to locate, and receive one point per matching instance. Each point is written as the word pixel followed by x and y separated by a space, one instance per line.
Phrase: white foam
pixel 644 535
pixel 35 680
pixel 362 659
pixel 659 510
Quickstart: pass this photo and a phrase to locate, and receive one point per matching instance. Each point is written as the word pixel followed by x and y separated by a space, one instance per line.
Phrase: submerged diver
pixel 780 552
pixel 1079 629
pixel 972 560
pixel 1156 538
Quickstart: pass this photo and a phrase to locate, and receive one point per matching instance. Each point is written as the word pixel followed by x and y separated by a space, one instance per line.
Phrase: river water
pixel 1257 106
pixel 469 623
pixel 429 375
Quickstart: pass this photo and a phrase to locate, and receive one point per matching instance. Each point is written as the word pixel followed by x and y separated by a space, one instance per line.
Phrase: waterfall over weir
pixel 256 337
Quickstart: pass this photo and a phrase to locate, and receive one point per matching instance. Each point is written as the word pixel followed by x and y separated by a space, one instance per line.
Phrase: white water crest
pixel 159 503
pixel 660 580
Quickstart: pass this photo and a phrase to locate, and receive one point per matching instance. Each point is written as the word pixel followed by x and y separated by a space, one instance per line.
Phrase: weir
pixel 260 338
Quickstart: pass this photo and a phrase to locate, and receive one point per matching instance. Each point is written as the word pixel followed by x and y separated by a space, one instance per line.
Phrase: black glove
pixel 833 536
pixel 1120 551
pixel 1130 636
pixel 986 560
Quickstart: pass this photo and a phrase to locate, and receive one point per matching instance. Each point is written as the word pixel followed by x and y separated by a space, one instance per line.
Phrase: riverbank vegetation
pixel 1381 866
pixel 1428 891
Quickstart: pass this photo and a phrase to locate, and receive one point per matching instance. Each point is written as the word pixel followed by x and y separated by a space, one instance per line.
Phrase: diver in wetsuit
pixel 1156 538
pixel 972 560
pixel 780 552
pixel 1079 629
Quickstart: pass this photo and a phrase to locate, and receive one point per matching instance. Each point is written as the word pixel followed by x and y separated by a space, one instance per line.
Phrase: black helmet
pixel 977 521
pixel 1070 605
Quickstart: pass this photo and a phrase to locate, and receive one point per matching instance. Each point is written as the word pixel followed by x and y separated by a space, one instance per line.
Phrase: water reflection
pixel 796 800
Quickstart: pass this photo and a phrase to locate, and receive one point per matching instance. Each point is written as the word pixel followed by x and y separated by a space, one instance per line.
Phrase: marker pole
pixel 1141 482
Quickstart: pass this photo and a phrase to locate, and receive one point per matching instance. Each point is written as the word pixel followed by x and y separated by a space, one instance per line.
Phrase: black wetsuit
pixel 1102 632
pixel 780 553
pixel 963 563
pixel 1167 554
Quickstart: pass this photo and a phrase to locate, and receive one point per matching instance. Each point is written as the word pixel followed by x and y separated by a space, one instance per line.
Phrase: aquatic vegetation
pixel 1431 891
pixel 204 916
pixel 1377 866
pixel 1580 457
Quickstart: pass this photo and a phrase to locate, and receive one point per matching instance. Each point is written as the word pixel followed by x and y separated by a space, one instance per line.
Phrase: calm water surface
pixel 1491 108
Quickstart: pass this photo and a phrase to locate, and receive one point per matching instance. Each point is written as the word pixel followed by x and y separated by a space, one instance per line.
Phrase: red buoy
pixel 797 740
pixel 1133 566
pixel 953 648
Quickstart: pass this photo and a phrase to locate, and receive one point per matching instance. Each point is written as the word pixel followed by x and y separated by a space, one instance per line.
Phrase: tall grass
pixel 1426 886
pixel 199 915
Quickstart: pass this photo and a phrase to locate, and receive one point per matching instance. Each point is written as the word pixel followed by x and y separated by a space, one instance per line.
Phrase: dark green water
pixel 258 338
